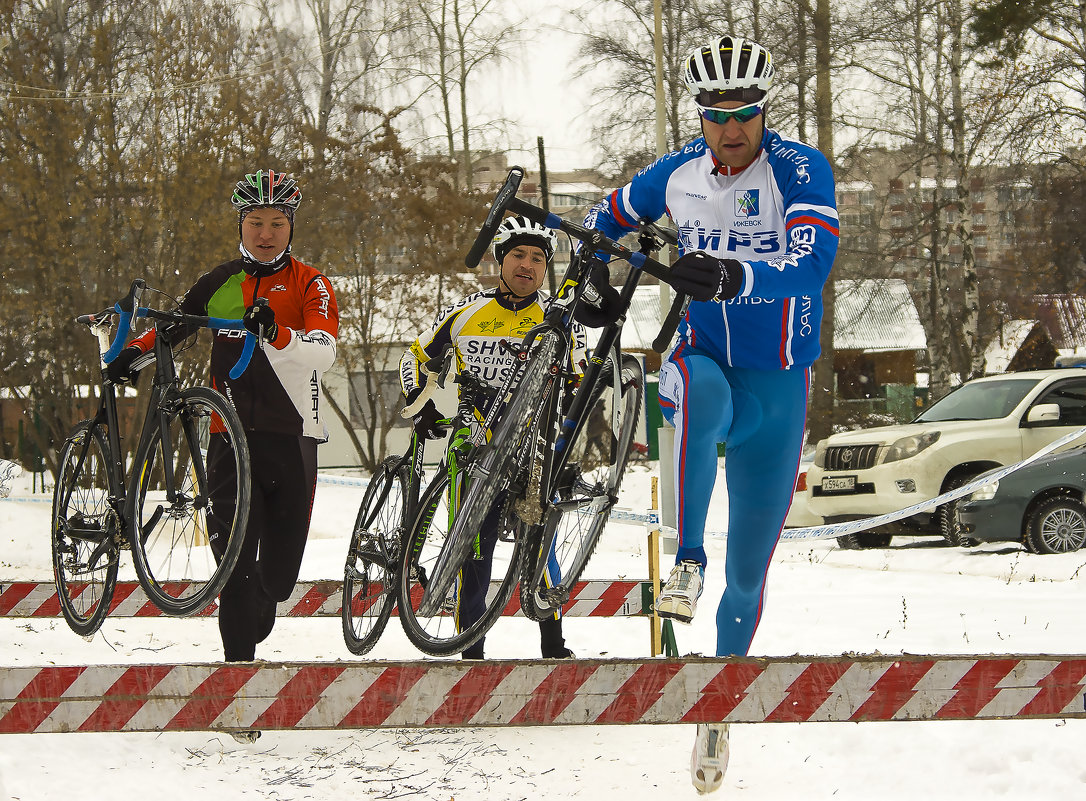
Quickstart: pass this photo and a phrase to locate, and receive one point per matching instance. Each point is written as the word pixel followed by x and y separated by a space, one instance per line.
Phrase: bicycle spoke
pixel 84 531
pixel 369 586
pixel 180 566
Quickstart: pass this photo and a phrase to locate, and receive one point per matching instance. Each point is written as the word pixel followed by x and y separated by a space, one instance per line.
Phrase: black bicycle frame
pixel 163 391
pixel 556 319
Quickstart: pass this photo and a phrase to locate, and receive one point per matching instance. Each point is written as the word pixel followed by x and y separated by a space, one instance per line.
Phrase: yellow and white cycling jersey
pixel 476 327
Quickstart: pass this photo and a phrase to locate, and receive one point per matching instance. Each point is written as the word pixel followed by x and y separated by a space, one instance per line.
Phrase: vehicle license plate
pixel 839 484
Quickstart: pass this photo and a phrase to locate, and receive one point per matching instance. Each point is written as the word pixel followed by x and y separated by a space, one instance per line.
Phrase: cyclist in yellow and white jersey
pixel 476 327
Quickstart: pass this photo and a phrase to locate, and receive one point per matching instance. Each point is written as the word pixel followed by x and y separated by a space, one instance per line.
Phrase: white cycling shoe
pixel 709 759
pixel 679 597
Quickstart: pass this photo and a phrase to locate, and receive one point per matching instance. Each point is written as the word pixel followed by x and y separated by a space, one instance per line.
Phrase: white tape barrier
pixel 853 526
pixel 343 481
pixel 826 532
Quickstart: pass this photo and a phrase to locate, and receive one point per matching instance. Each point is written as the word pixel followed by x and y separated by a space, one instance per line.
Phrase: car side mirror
pixel 1044 413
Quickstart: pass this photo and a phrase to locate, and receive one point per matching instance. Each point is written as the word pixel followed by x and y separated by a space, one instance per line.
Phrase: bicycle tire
pixel 585 493
pixel 181 563
pixel 85 531
pixel 491 471
pixel 437 634
pixel 369 575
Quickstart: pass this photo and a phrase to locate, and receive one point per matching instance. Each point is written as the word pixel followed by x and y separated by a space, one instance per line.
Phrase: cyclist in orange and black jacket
pixel 278 398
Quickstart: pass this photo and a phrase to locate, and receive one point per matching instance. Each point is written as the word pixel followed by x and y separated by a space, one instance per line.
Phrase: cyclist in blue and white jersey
pixel 758 234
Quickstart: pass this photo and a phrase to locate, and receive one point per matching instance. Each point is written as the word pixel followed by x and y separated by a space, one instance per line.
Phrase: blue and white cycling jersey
pixel 778 216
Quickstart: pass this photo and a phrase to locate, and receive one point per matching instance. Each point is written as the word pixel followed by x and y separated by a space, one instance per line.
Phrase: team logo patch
pixel 746 202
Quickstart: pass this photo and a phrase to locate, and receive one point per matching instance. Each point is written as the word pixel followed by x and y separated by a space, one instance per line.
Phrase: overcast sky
pixel 536 91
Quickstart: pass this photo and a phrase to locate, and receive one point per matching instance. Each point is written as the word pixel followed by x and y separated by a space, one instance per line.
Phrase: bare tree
pixel 627 97
pixel 355 45
pixel 951 111
pixel 453 41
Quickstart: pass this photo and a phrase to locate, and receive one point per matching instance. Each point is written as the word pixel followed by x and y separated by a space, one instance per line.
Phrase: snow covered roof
pixel 876 315
pixel 643 320
pixel 1006 344
pixel 399 310
pixel 872 315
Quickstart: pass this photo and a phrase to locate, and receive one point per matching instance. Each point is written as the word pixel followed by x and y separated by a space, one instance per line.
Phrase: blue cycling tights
pixel 760 415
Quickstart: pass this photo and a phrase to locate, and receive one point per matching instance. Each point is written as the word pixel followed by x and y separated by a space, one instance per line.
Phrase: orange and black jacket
pixel 280 391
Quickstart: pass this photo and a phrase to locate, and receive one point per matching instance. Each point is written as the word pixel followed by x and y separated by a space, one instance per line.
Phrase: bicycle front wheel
pixel 85 531
pixel 586 490
pixel 369 576
pixel 446 630
pixel 191 496
pixel 493 469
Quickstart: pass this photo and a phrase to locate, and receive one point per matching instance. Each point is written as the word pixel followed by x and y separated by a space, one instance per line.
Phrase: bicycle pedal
pixel 555 597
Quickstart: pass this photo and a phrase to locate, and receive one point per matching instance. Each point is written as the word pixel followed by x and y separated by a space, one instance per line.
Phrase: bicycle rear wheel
pixel 189 518
pixel 439 633
pixel 492 471
pixel 586 490
pixel 369 576
pixel 85 531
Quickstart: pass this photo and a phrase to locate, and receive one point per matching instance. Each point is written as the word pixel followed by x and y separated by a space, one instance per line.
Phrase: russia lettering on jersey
pixel 778 217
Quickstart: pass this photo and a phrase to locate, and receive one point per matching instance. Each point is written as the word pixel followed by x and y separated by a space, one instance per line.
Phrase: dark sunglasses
pixel 722 115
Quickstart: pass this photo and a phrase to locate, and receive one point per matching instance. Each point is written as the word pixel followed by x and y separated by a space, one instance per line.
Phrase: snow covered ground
pixel 913 597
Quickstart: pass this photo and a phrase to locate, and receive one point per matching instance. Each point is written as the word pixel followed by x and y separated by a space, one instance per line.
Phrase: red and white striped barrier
pixel 320 599
pixel 339 695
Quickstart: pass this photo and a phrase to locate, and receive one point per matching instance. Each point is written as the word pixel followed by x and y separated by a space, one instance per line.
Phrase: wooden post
pixel 656 640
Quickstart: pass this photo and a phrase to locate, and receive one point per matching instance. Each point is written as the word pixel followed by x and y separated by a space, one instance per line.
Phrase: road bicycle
pixel 539 477
pixel 181 514
pixel 371 584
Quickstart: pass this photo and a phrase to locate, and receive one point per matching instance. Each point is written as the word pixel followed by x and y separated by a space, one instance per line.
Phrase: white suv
pixel 983 424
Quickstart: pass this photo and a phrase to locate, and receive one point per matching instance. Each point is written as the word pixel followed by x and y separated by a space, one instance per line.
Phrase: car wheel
pixel 1058 525
pixel 949 526
pixel 864 539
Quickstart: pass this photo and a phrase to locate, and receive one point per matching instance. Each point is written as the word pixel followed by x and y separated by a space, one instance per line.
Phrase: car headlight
pixel 820 453
pixel 908 447
pixel 985 493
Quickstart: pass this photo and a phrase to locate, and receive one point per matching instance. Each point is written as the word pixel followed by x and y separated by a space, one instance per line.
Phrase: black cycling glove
pixel 120 369
pixel 705 277
pixel 599 307
pixel 259 319
pixel 426 419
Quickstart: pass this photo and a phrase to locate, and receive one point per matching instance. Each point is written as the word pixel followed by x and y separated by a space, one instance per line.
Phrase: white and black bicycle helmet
pixel 521 231
pixel 730 68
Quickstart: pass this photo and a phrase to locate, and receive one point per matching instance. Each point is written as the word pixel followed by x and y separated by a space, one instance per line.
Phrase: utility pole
pixel 665 434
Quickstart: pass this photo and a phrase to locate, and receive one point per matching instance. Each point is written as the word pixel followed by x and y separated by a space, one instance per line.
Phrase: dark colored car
pixel 1040 506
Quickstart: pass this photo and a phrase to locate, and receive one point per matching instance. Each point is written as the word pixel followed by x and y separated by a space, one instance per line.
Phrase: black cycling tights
pixel 284 477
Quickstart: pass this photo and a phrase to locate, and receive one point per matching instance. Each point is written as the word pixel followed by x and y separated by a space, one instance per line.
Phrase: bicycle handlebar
pixel 596 241
pixel 124 307
pixel 494 217
pixel 128 307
